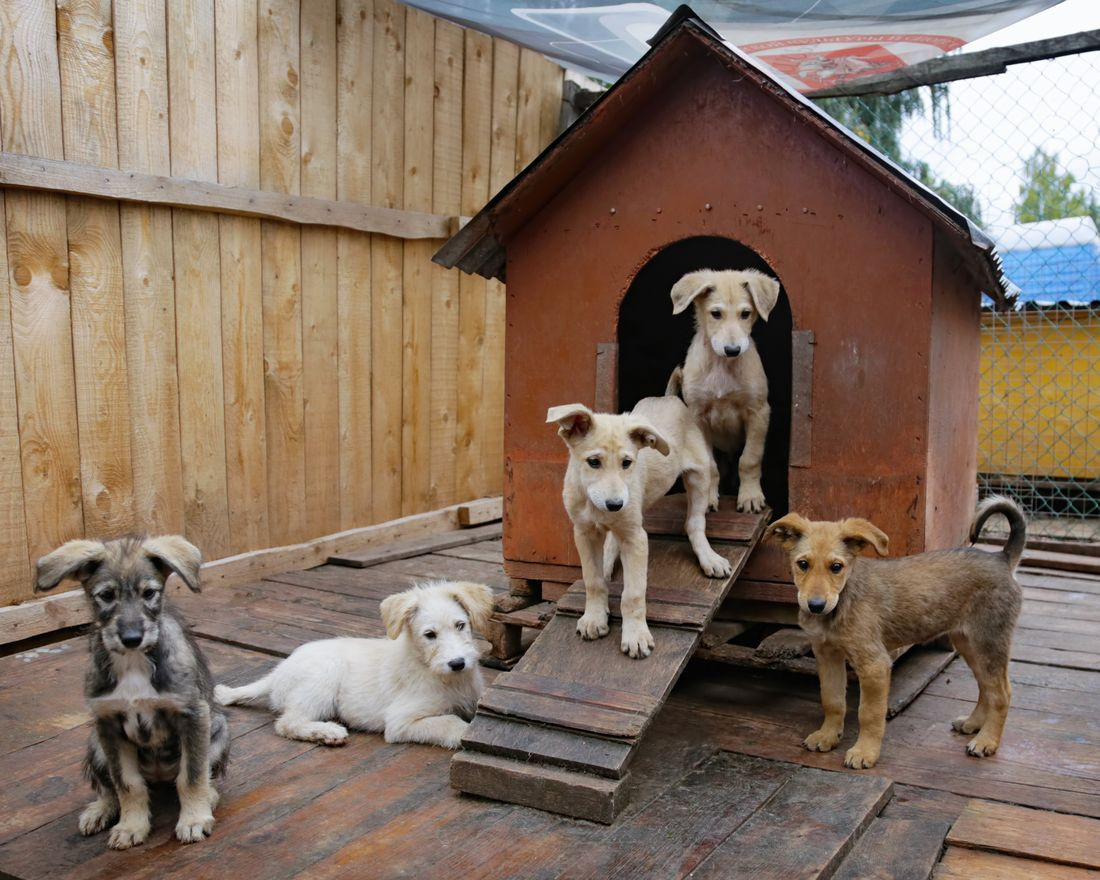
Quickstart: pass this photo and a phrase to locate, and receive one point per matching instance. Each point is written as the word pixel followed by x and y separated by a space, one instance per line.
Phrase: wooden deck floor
pixel 722 788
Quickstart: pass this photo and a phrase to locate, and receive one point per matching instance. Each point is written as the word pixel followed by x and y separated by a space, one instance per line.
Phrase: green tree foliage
pixel 878 119
pixel 1048 193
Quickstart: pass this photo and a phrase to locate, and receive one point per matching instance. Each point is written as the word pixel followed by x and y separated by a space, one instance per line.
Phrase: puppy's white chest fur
pixel 135 690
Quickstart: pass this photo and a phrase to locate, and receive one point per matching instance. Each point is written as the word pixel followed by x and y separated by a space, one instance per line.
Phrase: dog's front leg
pixel 750 497
pixel 834 693
pixel 874 689
pixel 713 564
pixel 439 730
pixel 590 546
pixel 637 641
pixel 133 794
pixel 197 795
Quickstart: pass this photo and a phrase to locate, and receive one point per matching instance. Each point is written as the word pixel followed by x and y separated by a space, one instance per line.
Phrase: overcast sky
pixel 996 122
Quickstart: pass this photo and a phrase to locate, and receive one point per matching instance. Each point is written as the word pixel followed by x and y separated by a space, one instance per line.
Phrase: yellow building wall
pixel 1040 393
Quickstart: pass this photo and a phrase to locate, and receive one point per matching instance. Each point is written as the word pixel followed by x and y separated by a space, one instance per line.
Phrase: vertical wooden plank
pixel 476 147
pixel 15 571
pixel 539 111
pixel 446 199
pixel 30 95
pixel 320 317
pixel 502 164
pixel 238 115
pixel 417 311
pixel 85 39
pixel 280 158
pixel 141 85
pixel 193 135
pixel 355 50
pixel 387 190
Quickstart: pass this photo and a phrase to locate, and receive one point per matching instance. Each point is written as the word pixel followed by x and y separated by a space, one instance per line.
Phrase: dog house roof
pixel 480 246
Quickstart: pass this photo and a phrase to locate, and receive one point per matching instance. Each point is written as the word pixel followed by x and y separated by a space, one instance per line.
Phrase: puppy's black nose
pixel 614 505
pixel 815 605
pixel 130 638
pixel 732 351
pixel 457 665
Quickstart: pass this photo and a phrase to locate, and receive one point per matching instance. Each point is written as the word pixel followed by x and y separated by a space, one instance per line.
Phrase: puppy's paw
pixel 966 724
pixel 593 625
pixel 861 756
pixel 982 746
pixel 714 565
pixel 97 816
pixel 712 501
pixel 329 733
pixel 194 825
pixel 822 740
pixel 128 833
pixel 750 500
pixel 452 737
pixel 637 641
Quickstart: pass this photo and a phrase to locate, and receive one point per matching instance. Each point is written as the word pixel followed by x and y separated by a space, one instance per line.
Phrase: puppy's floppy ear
pixel 859 533
pixel 397 610
pixel 476 600
pixel 788 531
pixel 574 421
pixel 644 434
pixel 764 291
pixel 690 288
pixel 78 559
pixel 174 553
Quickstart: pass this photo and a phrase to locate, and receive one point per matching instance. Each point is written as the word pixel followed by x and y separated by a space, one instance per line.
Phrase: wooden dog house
pixel 699 158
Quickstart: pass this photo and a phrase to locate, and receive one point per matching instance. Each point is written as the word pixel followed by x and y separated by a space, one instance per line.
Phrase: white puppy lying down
pixel 413 686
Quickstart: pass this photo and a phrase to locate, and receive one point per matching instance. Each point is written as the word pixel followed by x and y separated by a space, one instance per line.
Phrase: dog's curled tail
pixel 1017 535
pixel 227 696
pixel 675 385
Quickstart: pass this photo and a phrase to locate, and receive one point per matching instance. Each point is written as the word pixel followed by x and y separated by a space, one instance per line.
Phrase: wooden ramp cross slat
pixel 560 730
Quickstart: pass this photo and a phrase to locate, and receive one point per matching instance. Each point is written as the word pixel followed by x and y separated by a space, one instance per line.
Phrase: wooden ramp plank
pixel 1021 831
pixel 899 849
pixel 804 831
pixel 570 694
pixel 536 785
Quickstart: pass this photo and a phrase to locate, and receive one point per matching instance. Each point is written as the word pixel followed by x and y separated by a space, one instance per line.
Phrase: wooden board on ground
pixel 1036 834
pixel 570 693
pixel 417 546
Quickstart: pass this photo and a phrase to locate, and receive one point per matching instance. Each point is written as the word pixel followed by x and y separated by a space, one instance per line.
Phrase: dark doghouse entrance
pixel 653 341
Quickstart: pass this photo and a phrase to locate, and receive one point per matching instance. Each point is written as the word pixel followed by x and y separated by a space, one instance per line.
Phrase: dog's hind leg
pixel 698 485
pixel 294 725
pixel 973 722
pixel 989 663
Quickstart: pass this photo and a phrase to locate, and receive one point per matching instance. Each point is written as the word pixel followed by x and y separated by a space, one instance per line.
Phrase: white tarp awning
pixel 811 43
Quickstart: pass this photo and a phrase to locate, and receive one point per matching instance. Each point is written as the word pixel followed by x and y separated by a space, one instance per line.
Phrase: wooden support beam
pixel 56 176
pixel 69 609
pixel 950 68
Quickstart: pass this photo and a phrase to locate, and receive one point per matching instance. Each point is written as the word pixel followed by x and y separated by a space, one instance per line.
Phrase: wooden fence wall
pixel 248 382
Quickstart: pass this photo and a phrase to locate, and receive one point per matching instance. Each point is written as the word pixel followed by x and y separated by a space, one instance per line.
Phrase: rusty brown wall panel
pixel 952 402
pixel 855 260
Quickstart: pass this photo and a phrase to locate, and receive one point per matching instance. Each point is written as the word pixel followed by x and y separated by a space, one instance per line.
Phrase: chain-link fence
pixel 1020 153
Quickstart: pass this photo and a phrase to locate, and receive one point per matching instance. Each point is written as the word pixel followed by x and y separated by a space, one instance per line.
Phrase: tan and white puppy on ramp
pixel 618 466
pixel 722 380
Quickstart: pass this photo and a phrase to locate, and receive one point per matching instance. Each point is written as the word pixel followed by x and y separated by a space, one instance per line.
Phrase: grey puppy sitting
pixel 149 687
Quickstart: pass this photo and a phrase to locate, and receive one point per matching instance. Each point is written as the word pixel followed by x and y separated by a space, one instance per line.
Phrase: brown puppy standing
pixel 859 610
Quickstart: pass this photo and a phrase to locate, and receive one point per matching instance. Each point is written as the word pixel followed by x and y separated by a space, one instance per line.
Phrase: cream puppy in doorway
pixel 618 466
pixel 722 380
pixel 415 686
